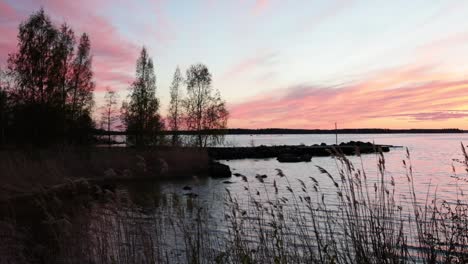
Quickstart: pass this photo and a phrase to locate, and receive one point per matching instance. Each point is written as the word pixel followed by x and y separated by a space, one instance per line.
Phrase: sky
pixel 288 64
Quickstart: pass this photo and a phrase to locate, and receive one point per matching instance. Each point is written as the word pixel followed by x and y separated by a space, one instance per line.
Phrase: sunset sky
pixel 277 63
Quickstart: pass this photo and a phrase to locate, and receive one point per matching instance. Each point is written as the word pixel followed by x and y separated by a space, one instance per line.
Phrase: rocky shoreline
pixel 263 152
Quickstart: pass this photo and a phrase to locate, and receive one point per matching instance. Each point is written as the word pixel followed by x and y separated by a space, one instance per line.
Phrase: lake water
pixel 433 157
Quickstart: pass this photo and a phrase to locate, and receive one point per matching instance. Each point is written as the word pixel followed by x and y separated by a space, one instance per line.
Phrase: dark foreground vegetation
pixel 360 220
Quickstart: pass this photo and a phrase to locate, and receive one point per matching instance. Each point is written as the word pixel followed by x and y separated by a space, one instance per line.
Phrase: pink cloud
pixel 377 101
pixel 8 29
pixel 7 43
pixel 434 116
pixel 249 64
pixel 260 6
pixel 7 12
pixel 114 56
pixel 164 32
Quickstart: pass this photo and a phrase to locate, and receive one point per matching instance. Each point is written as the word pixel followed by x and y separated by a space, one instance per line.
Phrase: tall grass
pixel 26 171
pixel 362 219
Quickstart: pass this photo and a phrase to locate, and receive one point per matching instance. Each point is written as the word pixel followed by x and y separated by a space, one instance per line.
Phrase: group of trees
pixel 46 91
pixel 46 95
pixel 201 112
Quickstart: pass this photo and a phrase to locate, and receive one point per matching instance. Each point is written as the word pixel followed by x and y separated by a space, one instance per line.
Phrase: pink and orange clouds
pixel 258 45
pixel 114 55
pixel 390 99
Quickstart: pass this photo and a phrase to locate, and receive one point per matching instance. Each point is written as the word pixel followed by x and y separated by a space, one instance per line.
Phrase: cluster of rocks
pixel 294 153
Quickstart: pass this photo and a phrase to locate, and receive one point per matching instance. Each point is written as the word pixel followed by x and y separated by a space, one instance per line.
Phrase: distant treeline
pixel 275 131
pixel 239 131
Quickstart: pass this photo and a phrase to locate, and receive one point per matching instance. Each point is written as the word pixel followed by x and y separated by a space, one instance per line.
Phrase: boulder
pixel 163 167
pixel 287 157
pixel 219 170
pixel 110 173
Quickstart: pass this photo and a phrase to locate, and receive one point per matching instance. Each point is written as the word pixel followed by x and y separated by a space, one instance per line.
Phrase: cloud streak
pixel 390 100
pixel 334 9
pixel 250 64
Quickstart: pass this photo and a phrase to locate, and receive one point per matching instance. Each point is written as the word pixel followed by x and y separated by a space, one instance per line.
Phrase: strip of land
pixel 280 131
pixel 262 152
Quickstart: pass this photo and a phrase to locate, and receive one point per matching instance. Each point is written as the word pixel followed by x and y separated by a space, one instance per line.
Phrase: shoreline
pixel 322 150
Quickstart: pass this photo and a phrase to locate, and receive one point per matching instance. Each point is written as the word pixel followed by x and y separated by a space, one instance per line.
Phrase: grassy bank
pixel 26 171
pixel 369 223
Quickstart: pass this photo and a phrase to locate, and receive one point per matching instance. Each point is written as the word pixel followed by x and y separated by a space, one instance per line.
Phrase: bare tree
pixel 175 112
pixel 205 112
pixel 110 112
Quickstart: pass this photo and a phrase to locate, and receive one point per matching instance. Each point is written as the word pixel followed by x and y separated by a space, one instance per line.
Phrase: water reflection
pixel 432 158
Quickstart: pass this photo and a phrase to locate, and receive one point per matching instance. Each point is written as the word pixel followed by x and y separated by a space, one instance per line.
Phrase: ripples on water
pixel 432 157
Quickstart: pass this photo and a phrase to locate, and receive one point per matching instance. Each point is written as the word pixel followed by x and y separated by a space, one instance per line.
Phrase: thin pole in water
pixel 336 134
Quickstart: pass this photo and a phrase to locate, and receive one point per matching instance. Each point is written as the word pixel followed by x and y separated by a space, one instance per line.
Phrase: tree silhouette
pixel 109 114
pixel 205 112
pixel 81 90
pixel 64 56
pixel 140 115
pixel 82 84
pixel 175 112
pixel 3 107
pixel 51 95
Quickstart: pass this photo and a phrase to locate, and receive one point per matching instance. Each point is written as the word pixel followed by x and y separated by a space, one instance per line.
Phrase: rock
pixel 187 188
pixel 287 157
pixel 109 173
pixel 127 173
pixel 164 167
pixel 108 187
pixel 219 170
pixel 227 182
pixel 237 174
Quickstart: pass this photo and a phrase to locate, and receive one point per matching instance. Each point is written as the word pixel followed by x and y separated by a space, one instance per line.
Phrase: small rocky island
pixel 295 153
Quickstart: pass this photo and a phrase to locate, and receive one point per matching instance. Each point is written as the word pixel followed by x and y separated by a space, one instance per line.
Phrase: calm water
pixel 432 156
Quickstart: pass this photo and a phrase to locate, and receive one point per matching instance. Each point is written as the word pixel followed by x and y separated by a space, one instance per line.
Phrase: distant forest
pixel 276 131
pixel 340 131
